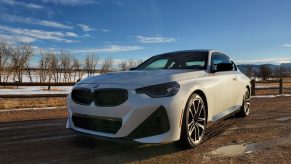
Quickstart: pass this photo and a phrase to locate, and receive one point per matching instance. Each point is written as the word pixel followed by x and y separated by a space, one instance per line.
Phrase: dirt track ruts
pixel 47 141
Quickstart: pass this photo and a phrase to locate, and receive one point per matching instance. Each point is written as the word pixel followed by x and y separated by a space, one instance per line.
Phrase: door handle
pixel 234 78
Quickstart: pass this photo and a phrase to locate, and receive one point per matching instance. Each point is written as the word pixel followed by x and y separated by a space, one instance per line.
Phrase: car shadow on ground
pixel 104 151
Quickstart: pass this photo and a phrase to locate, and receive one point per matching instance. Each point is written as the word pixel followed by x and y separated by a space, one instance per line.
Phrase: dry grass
pixel 13 103
pixel 33 114
pixel 8 87
pixel 52 89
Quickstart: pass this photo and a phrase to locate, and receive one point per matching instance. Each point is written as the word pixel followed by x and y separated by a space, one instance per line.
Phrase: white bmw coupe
pixel 169 97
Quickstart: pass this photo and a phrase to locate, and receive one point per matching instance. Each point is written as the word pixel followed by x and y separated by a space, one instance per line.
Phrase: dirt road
pixel 263 137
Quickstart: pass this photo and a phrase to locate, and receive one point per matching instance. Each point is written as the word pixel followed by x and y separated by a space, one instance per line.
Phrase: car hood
pixel 143 77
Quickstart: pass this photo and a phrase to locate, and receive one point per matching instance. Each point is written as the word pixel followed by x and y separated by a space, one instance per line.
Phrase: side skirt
pixel 225 113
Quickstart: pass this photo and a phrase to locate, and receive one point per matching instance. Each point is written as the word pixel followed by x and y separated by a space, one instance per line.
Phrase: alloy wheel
pixel 246 104
pixel 196 120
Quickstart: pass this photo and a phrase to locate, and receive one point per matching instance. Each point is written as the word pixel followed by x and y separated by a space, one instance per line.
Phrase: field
pixel 20 109
pixel 263 137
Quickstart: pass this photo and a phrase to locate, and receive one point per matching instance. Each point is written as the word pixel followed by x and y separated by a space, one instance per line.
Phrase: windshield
pixel 177 60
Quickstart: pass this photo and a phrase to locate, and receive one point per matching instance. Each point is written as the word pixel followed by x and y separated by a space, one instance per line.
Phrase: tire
pixel 245 108
pixel 194 122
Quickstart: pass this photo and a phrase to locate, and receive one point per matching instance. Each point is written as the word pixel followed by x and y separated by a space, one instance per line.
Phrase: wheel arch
pixel 203 96
pixel 183 138
pixel 249 89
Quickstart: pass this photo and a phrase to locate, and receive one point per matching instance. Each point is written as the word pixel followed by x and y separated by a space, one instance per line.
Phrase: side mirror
pixel 222 67
pixel 131 69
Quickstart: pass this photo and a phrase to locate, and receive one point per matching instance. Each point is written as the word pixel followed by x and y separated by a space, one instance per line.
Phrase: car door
pixel 225 84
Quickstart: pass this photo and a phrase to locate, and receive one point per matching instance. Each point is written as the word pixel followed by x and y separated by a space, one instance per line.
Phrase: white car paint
pixel 223 91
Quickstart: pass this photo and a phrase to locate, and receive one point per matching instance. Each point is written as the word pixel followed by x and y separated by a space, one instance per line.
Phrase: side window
pixel 159 64
pixel 218 58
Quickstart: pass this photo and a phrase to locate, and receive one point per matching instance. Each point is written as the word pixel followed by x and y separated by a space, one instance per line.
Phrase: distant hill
pixel 256 67
pixel 286 65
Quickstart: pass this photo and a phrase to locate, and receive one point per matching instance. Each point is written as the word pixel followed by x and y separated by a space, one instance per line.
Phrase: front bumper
pixel 141 118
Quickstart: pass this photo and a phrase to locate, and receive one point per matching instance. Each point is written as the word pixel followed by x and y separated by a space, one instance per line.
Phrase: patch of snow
pixel 283 119
pixel 30 90
pixel 271 86
pixel 271 96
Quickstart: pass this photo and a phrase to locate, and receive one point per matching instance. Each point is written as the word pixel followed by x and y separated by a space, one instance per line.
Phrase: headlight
pixel 160 90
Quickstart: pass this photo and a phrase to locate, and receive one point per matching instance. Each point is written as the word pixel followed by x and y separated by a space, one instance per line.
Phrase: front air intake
pixel 96 123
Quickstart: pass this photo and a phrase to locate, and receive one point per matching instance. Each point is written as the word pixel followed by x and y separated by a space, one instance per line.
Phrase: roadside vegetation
pixel 16 62
pixel 37 102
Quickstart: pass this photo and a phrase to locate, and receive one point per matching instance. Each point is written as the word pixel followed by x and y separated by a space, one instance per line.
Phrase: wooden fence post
pixel 281 86
pixel 253 87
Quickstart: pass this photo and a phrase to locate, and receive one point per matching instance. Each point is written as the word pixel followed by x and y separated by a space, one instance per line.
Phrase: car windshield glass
pixel 178 60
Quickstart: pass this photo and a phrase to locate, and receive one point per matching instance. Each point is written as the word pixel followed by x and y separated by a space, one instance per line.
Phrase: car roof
pixel 185 51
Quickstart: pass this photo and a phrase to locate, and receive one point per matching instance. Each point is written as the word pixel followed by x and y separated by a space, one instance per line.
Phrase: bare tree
pixel 7 74
pixel 90 64
pixel 50 66
pixel 54 71
pixel 106 65
pixel 20 57
pixel 77 65
pixel 138 62
pixel 126 65
pixel 265 72
pixel 123 66
pixel 28 53
pixel 249 71
pixel 81 71
pixel 280 72
pixel 66 61
pixel 4 59
pixel 43 66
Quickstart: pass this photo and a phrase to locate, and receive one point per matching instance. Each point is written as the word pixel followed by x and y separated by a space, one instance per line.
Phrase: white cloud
pixel 71 34
pixel 105 30
pixel 109 49
pixel 53 24
pixel 35 34
pixel 265 61
pixel 71 2
pixel 21 4
pixel 33 6
pixel 286 45
pixel 85 28
pixel 16 38
pixel 155 39
pixel 27 20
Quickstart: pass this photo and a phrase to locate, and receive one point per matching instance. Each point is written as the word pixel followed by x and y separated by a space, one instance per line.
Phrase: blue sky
pixel 250 31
